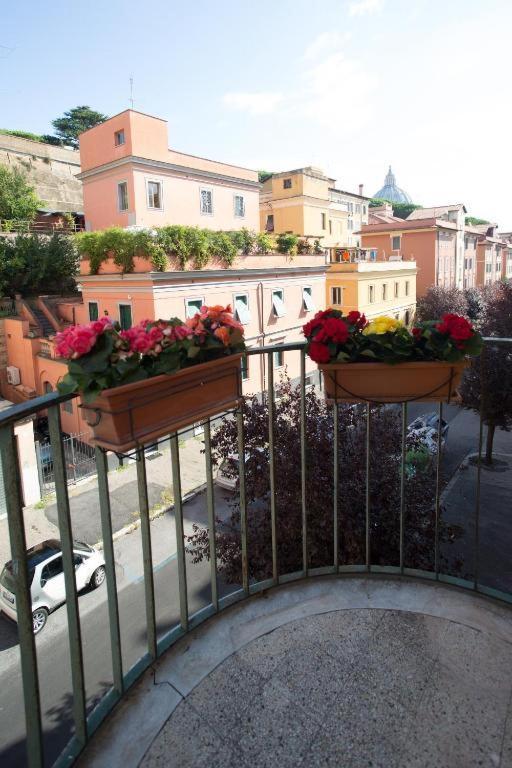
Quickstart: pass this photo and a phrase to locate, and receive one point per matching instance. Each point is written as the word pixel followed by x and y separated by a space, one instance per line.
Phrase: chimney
pixel 361 189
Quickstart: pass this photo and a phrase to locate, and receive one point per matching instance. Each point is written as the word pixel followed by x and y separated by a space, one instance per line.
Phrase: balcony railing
pixel 91 698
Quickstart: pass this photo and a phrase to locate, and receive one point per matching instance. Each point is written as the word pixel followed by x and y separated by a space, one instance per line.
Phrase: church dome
pixel 391 192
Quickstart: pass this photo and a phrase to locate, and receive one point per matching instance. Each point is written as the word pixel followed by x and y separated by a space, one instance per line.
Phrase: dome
pixel 391 192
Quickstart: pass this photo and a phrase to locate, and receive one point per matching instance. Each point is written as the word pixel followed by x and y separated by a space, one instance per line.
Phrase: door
pixel 53 590
pixel 125 316
pixel 82 571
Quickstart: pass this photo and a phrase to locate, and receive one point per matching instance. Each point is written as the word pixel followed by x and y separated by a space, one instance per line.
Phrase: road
pixel 52 644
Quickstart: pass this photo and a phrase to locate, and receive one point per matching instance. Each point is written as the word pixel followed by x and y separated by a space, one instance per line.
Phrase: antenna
pixel 131 91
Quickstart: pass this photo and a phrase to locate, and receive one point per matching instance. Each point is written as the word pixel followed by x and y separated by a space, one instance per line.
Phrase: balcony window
pixel 287 183
pixel 307 299
pixel 122 196
pixel 395 244
pixel 155 195
pixel 119 138
pixel 206 196
pixel 269 226
pixel 93 310
pixel 371 294
pixel 125 316
pixel 278 306
pixel 239 206
pixel 337 296
pixel 193 306
pixel 242 308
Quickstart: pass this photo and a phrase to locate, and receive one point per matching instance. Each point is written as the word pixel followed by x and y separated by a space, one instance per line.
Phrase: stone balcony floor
pixel 330 672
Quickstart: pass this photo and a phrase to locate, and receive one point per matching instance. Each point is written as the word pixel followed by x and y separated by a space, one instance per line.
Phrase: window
pixel 337 296
pixel 67 407
pixel 407 317
pixel 125 316
pixel 471 263
pixel 373 255
pixel 154 194
pixel 406 287
pixel 395 245
pixel 278 303
pixel 242 308
pixel 324 221
pixel 54 568
pixel 244 367
pixel 119 138
pixel 465 263
pixel 384 291
pixel 269 226
pixel 239 206
pixel 47 387
pixel 364 210
pixel 278 359
pixel 371 294
pixel 330 226
pixel 488 267
pixel 358 208
pixel 397 287
pixel 307 299
pixel 350 224
pixel 287 183
pixel 122 196
pixel 193 306
pixel 93 310
pixel 206 202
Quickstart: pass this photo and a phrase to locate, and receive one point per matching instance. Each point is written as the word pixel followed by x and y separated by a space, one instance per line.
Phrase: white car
pixel 46 576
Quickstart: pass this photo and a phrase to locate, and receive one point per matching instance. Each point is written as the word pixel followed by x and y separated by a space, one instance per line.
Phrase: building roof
pixel 404 225
pixel 391 191
pixel 436 212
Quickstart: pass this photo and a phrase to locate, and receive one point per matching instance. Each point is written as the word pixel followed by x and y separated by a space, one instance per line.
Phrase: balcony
pixel 348 609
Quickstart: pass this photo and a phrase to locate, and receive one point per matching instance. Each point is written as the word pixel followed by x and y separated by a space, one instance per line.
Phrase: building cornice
pixel 178 170
pixel 204 275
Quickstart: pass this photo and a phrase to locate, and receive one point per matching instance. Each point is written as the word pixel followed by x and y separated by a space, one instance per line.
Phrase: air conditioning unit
pixel 13 375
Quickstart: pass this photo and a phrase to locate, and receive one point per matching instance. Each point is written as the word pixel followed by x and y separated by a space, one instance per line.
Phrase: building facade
pixel 306 202
pixel 130 177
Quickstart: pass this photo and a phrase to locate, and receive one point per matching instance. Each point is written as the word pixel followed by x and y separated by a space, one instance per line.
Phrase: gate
pixel 78 457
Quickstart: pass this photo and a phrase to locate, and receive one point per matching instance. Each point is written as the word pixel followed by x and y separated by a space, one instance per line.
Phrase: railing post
pixel 438 490
pixel 29 674
pixel 66 538
pixel 303 461
pixel 367 494
pixel 243 499
pixel 335 491
pixel 210 504
pixel 272 465
pixel 147 556
pixel 178 519
pixel 402 485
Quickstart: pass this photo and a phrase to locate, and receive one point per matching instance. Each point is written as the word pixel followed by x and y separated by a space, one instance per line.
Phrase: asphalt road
pixel 52 644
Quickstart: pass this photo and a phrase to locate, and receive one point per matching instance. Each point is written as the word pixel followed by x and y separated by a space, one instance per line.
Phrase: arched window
pixel 47 387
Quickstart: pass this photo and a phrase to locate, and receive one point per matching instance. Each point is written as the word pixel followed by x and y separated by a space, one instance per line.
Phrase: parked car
pixel 46 577
pixel 430 421
pixel 227 474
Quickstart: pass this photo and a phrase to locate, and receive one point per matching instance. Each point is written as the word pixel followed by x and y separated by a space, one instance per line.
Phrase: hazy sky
pixel 348 85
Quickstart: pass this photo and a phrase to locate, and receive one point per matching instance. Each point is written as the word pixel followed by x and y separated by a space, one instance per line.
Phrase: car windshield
pixel 8 579
pixel 82 546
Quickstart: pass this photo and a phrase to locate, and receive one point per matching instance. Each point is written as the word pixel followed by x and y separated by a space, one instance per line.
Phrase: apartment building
pixel 307 202
pixel 130 177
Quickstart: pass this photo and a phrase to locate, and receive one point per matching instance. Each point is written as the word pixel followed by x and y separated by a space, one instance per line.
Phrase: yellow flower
pixel 383 324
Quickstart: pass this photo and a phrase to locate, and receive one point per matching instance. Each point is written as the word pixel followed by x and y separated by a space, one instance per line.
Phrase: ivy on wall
pixel 187 245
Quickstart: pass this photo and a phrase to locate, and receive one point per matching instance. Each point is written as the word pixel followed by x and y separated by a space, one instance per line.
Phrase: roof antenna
pixel 131 91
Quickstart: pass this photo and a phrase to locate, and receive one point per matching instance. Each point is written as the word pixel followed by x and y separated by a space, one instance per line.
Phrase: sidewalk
pixel 41 523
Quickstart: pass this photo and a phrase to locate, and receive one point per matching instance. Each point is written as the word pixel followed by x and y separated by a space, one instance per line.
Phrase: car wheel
pixel 98 577
pixel 39 617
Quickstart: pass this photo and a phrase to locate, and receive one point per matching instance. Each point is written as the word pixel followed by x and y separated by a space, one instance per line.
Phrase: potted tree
pixel 148 381
pixel 383 362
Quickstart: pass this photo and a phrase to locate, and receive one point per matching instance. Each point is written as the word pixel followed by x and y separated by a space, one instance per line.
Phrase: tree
pixel 384 490
pixel 473 221
pixel 402 210
pixel 264 176
pixel 74 122
pixel 18 199
pixel 438 300
pixel 487 384
pixel 34 264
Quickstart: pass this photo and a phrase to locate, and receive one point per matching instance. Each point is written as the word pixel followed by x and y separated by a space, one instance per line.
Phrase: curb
pixel 464 464
pixel 131 527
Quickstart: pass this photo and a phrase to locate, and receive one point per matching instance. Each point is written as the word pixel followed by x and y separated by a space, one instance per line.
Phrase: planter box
pixel 382 383
pixel 129 416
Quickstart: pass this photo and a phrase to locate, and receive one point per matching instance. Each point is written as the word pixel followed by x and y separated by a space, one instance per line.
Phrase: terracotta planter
pixel 382 383
pixel 125 417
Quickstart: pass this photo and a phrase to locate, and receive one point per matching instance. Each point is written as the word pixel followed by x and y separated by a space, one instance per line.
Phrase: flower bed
pixel 155 378
pixel 382 361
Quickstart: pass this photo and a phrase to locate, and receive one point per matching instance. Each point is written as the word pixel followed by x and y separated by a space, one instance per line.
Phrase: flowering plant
pixel 100 355
pixel 333 338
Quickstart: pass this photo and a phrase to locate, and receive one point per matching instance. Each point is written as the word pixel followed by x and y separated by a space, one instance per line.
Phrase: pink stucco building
pixel 131 177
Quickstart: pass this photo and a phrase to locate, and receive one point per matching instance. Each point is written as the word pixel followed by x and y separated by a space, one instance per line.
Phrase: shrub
pixel 287 243
pixel 265 243
pixel 222 247
pixel 244 240
pixel 32 264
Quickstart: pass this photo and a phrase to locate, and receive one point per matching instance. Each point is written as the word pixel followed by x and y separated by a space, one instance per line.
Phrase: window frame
pixel 323 220
pixel 96 304
pixel 307 290
pixel 396 289
pixel 236 297
pixel 161 189
pixel 242 198
pixel 125 304
pixel 120 132
pixel 187 302
pixel 407 287
pixel 281 299
pixel 287 183
pixel 279 363
pixel 119 184
pixel 393 238
pixel 384 291
pixel 201 190
pixel 371 294
pixel 340 289
pixel 267 228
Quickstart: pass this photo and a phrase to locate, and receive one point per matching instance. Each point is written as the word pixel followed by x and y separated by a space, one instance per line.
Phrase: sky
pixel 350 86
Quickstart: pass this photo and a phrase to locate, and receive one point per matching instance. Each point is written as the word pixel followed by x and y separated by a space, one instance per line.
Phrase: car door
pixel 82 570
pixel 53 590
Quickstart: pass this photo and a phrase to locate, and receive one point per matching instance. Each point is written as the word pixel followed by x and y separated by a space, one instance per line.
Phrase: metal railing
pixel 85 722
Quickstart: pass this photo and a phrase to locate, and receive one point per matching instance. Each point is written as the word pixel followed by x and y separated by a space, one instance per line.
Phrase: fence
pixel 79 461
pixel 87 708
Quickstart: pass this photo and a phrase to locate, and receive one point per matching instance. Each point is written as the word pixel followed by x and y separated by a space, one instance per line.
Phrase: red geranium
pixel 319 352
pixel 356 319
pixel 457 327
pixel 333 329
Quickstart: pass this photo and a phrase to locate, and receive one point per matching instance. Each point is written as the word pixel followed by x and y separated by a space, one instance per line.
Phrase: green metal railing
pixel 85 725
